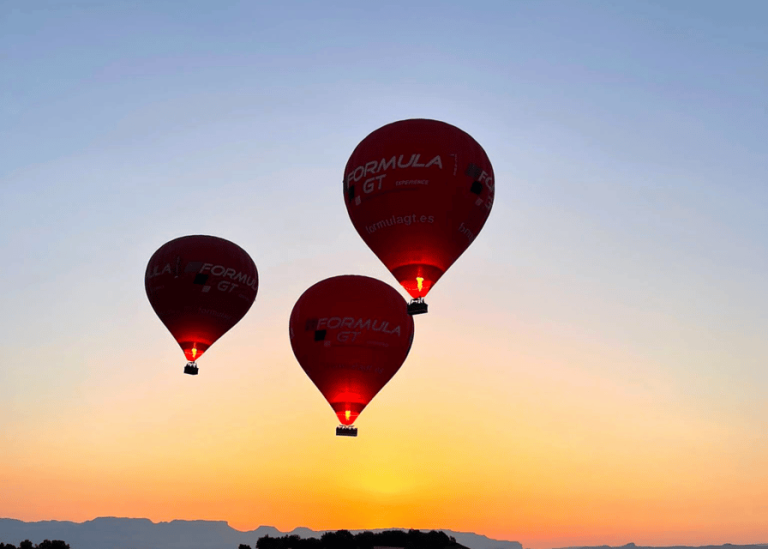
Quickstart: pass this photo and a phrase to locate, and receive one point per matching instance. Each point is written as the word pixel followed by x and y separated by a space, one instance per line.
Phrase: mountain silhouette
pixel 140 533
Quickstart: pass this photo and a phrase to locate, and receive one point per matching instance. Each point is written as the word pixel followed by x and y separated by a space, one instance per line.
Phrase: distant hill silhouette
pixel 138 533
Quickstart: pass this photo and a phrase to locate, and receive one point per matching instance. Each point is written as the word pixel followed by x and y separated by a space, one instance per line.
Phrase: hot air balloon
pixel 200 286
pixel 418 192
pixel 350 334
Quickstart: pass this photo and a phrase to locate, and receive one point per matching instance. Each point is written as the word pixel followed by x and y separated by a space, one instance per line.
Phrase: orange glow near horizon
pixel 542 445
pixel 561 471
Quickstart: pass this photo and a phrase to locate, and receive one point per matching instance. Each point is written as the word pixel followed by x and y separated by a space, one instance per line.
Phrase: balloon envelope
pixel 418 192
pixel 350 334
pixel 200 286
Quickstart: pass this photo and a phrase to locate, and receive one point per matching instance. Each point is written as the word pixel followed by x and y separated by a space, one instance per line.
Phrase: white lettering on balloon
pixel 372 176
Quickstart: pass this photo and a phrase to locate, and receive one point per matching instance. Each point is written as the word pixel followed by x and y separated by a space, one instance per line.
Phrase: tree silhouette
pixel 366 540
pixel 266 542
pixel 46 544
pixel 54 544
pixel 344 539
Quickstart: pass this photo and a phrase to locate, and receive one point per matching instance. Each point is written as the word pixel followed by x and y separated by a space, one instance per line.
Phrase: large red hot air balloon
pixel 200 286
pixel 350 334
pixel 418 192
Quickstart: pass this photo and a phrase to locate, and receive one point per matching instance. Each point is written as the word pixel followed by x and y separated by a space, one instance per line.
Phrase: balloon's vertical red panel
pixel 200 286
pixel 418 192
pixel 350 334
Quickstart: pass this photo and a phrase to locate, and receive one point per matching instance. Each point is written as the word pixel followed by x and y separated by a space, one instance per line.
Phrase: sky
pixel 593 369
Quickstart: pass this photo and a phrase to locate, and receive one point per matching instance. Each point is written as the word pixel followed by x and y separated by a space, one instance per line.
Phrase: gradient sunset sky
pixel 593 370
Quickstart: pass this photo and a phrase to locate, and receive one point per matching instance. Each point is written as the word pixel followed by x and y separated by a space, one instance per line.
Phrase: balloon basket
pixel 191 368
pixel 346 431
pixel 417 307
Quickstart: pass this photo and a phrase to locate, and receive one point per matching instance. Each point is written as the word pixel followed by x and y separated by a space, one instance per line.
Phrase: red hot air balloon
pixel 350 334
pixel 200 286
pixel 418 192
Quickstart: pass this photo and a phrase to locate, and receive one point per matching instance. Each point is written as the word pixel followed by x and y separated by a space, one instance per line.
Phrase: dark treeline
pixel 47 544
pixel 343 539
